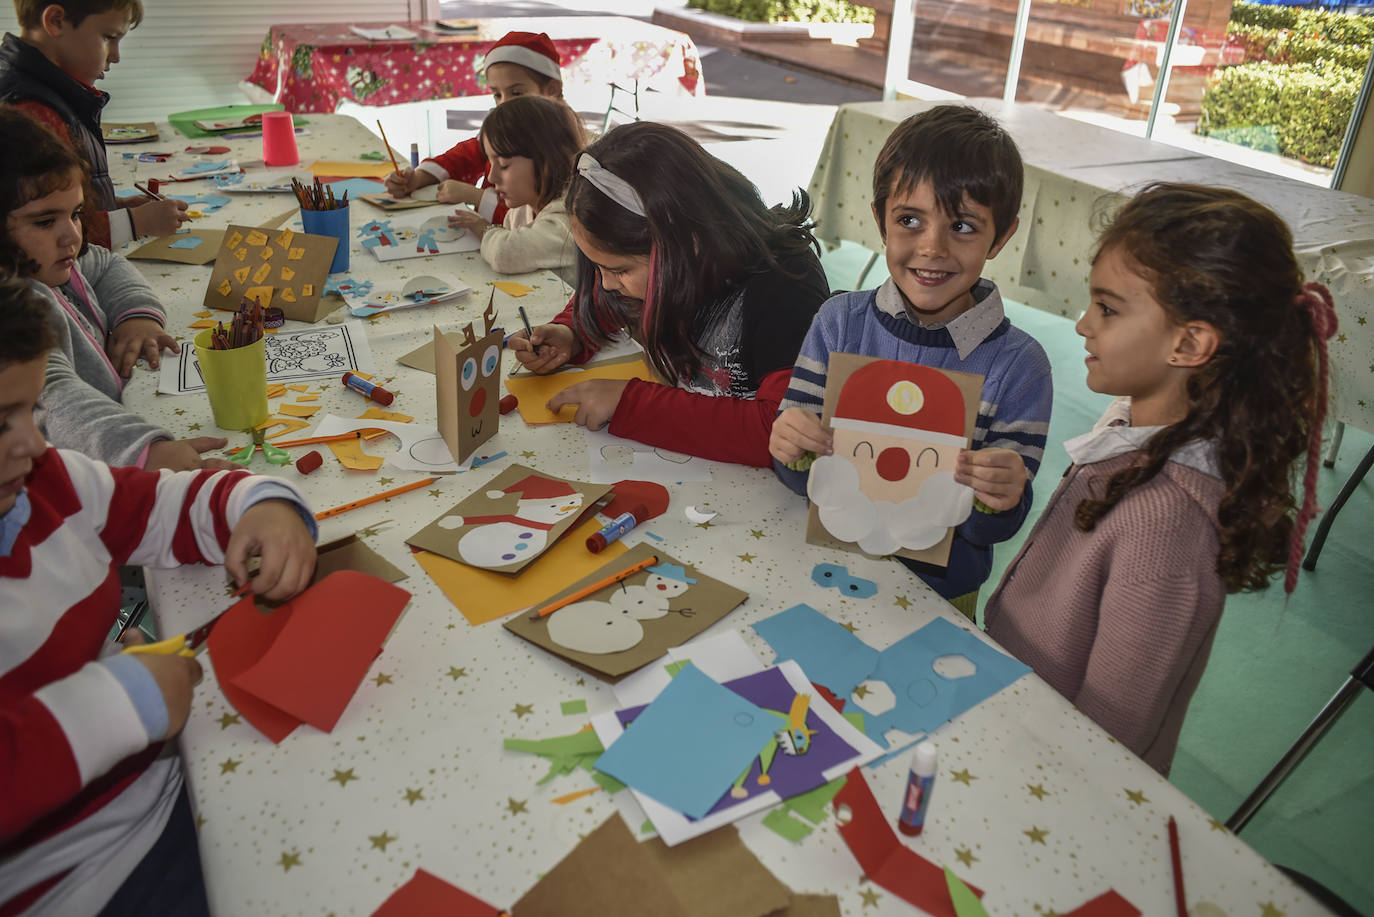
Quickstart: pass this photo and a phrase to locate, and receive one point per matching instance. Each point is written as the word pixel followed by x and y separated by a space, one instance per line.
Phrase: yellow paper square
pixel 308 289
pixel 257 238
pixel 262 273
pixel 284 238
pixel 203 314
pixel 287 273
pixel 241 254
pixel 266 253
pixel 288 295
pixel 512 288
pixel 234 240
pixel 241 275
pixel 296 254
pixel 535 391
pixel 203 323
pixel 298 410
pixel 262 294
pixel 225 287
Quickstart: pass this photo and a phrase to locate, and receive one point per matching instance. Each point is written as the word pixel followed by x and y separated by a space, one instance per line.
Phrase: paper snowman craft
pixel 500 540
pixel 468 387
pixel 612 625
pixel 889 484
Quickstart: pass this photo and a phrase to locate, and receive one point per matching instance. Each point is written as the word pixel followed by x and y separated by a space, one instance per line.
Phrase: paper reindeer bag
pixel 468 386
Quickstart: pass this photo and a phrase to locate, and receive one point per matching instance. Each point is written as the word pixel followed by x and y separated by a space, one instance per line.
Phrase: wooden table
pixel 1075 171
pixel 1034 803
pixel 312 67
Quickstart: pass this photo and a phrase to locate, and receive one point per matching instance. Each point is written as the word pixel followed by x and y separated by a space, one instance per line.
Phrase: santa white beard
pixel 880 528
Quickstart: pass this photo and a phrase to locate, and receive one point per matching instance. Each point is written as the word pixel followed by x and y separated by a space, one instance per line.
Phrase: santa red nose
pixel 893 463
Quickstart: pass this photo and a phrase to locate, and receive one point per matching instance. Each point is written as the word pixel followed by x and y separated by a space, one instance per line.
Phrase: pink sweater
pixel 1120 620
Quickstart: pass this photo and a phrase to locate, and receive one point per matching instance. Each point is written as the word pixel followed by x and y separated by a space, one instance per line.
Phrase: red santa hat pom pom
pixel 904 396
pixel 534 487
pixel 534 51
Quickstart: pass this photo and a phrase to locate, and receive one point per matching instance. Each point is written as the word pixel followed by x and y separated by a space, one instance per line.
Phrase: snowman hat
pixel 531 50
pixel 672 571
pixel 891 398
pixel 535 487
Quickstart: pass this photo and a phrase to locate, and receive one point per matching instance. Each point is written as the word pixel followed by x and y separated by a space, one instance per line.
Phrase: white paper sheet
pixel 611 459
pixel 395 238
pixel 422 448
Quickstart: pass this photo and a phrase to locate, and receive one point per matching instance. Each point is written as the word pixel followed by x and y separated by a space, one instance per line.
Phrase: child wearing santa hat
pixel 520 64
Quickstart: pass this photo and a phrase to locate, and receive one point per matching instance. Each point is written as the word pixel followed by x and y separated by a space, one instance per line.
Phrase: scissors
pixel 244 456
pixel 189 643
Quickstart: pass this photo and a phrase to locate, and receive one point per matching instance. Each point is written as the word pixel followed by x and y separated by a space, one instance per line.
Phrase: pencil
pixel 597 586
pixel 387 144
pixel 374 498
pixel 152 194
pixel 312 440
pixel 1177 858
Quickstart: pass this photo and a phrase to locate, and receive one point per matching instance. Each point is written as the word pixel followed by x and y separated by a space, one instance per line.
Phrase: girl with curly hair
pixel 1183 492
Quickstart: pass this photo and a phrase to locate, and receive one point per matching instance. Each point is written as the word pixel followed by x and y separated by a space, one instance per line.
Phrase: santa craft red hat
pixel 533 487
pixel 892 398
pixel 534 51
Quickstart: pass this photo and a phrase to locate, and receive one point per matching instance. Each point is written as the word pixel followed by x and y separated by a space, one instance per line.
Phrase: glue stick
pixel 415 155
pixel 367 389
pixel 919 782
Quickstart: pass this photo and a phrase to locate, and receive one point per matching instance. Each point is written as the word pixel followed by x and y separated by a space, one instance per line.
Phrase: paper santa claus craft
pixel 889 485
pixel 515 520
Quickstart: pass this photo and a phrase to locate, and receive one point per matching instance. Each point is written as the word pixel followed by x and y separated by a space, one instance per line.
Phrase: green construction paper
pixel 607 782
pixel 813 805
pixel 674 667
pixel 779 822
pixel 647 827
pixel 184 121
pixel 574 706
pixel 579 743
pixel 856 719
pixel 966 903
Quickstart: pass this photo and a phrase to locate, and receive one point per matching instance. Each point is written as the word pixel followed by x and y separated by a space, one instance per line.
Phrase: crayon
pixel 367 389
pixel 616 528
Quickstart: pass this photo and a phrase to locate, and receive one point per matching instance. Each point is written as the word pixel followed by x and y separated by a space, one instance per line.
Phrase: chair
pixel 1329 517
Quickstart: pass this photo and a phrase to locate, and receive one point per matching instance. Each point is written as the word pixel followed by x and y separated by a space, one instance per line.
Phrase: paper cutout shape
pixel 416 237
pixel 565 754
pixel 1107 904
pixel 686 748
pixel 177 249
pixel 829 653
pixel 288 295
pixel 482 596
pixel 351 455
pixel 610 874
pixel 297 410
pixel 311 267
pixel 331 168
pixel 610 458
pixel 837 577
pixel 511 288
pixel 426 894
pixel 833 747
pixel 966 903
pixel 287 424
pixel 202 324
pixel 322 643
pixel 629 624
pixel 889 486
pixel 423 290
pixel 467 388
pixel 233 238
pixel 520 514
pixel 884 858
pixel 535 391
pixel 276 390
pixel 651 496
pixel 311 353
pixel 421 447
pixel 925 698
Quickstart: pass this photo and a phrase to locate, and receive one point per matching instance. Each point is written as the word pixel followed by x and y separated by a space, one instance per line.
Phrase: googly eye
pixel 469 374
pixel 490 360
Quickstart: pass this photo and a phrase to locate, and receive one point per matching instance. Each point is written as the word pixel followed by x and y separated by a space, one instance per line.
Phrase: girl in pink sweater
pixel 1201 323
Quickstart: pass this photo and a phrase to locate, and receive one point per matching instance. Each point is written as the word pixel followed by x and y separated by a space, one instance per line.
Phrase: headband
pixel 610 184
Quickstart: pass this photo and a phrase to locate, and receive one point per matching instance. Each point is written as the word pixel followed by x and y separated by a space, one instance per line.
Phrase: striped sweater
pixel 86 795
pixel 1014 412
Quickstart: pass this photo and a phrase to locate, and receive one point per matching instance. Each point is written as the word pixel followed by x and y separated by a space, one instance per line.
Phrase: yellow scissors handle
pixel 172 646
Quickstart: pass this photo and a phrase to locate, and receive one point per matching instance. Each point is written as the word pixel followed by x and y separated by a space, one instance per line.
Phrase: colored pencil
pixel 1177 858
pixel 152 194
pixel 387 144
pixel 582 593
pixel 312 440
pixel 374 498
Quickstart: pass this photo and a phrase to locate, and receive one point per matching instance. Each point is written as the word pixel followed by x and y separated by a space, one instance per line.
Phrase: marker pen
pixel 367 389
pixel 919 782
pixel 616 528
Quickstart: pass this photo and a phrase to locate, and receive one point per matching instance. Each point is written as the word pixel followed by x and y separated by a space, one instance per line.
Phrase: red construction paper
pixel 1109 904
pixel 884 858
pixel 427 895
pixel 238 641
pixel 323 651
pixel 626 495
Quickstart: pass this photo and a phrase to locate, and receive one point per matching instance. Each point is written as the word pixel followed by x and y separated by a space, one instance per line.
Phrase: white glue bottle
pixel 919 782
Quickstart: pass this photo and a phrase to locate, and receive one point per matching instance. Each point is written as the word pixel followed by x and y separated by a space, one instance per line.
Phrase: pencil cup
pixel 330 223
pixel 236 381
pixel 279 139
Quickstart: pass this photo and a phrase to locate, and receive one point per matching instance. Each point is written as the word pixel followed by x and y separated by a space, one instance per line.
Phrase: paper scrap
pixel 297 410
pixel 331 168
pixel 203 323
pixel 350 454
pixel 966 903
pixel 611 458
pixel 428 894
pixel 511 288
pixel 829 653
pixel 571 707
pixel 784 825
pixel 1107 904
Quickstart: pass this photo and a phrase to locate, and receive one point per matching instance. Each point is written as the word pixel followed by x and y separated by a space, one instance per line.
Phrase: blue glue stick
pixel 919 783
pixel 615 528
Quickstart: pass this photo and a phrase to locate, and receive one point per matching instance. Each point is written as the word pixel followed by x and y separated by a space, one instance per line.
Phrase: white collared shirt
pixel 967 330
pixel 1113 435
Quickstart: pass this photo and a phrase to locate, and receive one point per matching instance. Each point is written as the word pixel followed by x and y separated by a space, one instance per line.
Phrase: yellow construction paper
pixel 298 410
pixel 203 323
pixel 296 254
pixel 205 314
pixel 284 238
pixel 234 240
pixel 376 413
pixel 226 287
pixel 307 398
pixel 257 238
pixel 535 391
pixel 241 254
pixel 350 453
pixel 483 596
pixel 512 288
pixel 276 390
pixel 287 424
pixel 262 294
pixel 288 295
pixel 262 273
pixel 287 273
pixel 299 387
pixel 336 169
pixel 241 274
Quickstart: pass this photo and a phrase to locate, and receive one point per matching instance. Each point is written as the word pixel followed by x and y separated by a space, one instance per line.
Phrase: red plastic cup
pixel 279 139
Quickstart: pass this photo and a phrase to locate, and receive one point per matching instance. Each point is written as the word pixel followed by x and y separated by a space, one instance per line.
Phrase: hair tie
pixel 1321 310
pixel 610 184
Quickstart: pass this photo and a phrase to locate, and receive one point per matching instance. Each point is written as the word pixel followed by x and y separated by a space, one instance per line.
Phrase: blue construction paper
pixel 833 575
pixel 214 166
pixel 689 745
pixel 186 242
pixel 205 203
pixel 356 187
pixel 827 653
pixel 926 699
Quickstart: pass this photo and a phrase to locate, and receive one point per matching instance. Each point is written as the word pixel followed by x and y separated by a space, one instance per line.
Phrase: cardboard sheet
pixel 176 248
pixel 285 268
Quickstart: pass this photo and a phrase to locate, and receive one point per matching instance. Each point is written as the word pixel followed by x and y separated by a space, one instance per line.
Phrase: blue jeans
pixel 167 881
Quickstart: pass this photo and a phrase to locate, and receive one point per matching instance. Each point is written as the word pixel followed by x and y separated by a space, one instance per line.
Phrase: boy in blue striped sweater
pixel 946 190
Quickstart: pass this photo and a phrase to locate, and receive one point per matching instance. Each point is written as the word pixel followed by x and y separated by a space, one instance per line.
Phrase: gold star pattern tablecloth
pixel 1076 172
pixel 1033 803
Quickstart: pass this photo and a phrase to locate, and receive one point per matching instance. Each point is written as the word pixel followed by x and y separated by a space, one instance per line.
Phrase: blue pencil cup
pixel 330 223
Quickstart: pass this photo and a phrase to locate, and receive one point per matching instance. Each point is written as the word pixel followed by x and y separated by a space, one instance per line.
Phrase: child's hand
pixel 273 532
pixel 470 220
pixel 185 455
pixel 797 432
pixel 402 183
pixel 997 476
pixel 138 337
pixel 596 401
pixel 158 218
pixel 176 677
pixel 458 192
pixel 557 345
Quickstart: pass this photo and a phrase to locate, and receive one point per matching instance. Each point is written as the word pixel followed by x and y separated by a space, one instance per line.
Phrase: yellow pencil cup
pixel 236 381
